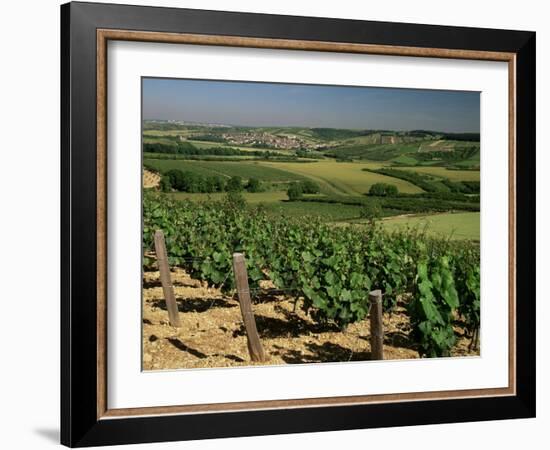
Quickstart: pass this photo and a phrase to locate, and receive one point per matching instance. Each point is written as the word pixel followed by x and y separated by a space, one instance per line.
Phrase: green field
pixel 252 198
pixel 205 144
pixel 453 175
pixel 411 151
pixel 446 144
pixel 455 225
pixel 158 140
pixel 169 156
pixel 276 203
pixel 375 152
pixel 333 177
pixel 343 177
pixel 330 212
pixel 405 160
pixel 243 169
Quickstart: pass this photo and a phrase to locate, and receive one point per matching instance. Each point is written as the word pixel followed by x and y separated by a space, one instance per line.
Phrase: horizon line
pixel 204 123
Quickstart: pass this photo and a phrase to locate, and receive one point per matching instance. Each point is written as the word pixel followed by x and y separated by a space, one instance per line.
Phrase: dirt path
pixel 212 334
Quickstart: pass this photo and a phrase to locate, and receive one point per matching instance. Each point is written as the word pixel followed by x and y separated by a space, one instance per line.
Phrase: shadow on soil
pixel 399 339
pixel 234 358
pixel 291 326
pixel 151 268
pixel 196 304
pixel 184 348
pixel 156 283
pixel 395 339
pixel 268 296
pixel 327 352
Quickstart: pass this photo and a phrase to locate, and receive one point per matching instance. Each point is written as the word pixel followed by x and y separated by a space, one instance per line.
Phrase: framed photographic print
pixel 276 224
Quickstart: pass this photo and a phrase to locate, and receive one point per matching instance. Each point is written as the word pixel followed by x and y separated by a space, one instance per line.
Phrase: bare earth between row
pixel 212 333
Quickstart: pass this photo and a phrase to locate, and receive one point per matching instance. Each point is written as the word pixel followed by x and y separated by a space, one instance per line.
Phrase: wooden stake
pixel 376 325
pixel 241 280
pixel 166 280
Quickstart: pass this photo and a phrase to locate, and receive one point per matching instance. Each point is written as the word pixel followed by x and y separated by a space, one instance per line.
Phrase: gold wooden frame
pixel 104 35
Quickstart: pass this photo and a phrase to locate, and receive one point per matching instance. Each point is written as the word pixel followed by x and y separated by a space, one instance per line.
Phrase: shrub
pixel 371 211
pixel 254 185
pixel 310 187
pixel 294 191
pixel 188 181
pixel 235 200
pixel 383 190
pixel 176 179
pixel 165 185
pixel 235 184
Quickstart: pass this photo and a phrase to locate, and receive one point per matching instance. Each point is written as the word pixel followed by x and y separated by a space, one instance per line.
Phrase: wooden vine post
pixel 376 325
pixel 166 280
pixel 241 281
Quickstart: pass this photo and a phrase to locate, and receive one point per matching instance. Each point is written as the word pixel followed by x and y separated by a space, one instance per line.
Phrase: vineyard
pixel 326 272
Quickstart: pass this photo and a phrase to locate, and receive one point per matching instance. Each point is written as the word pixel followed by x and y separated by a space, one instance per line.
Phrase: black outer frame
pixel 79 423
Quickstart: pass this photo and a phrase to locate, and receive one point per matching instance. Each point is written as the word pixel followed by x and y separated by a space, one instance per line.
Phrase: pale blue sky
pixel 273 104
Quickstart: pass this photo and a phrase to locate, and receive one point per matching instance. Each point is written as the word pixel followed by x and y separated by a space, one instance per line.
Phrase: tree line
pixel 187 181
pixel 187 148
pixel 296 190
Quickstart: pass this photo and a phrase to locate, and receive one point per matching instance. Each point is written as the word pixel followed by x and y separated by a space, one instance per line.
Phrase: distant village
pixel 265 140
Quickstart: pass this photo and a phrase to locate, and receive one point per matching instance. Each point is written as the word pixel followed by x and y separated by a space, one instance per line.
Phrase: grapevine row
pixel 330 269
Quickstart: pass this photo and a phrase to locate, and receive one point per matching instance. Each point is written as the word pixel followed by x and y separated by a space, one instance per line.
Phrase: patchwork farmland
pixel 343 165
